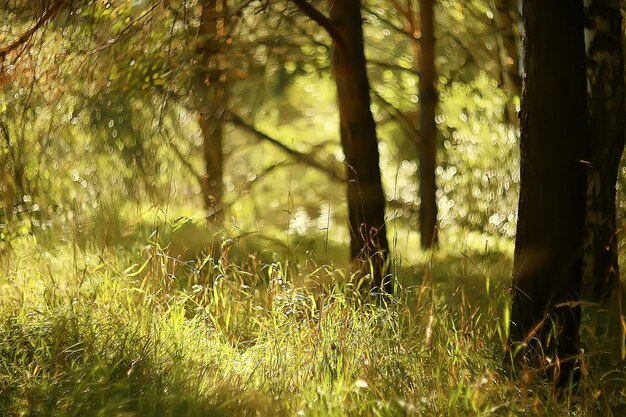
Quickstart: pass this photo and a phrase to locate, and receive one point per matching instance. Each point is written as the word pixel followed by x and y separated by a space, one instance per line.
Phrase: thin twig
pixel 408 125
pixel 48 15
pixel 299 156
pixel 319 18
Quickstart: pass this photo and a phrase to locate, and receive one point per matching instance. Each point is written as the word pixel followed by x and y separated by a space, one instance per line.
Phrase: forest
pixel 312 208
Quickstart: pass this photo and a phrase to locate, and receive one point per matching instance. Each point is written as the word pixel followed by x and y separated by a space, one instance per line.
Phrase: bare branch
pixel 126 31
pixel 393 66
pixel 261 175
pixel 308 160
pixel 409 126
pixel 299 156
pixel 167 138
pixel 48 15
pixel 402 10
pixel 391 25
pixel 477 14
pixel 319 18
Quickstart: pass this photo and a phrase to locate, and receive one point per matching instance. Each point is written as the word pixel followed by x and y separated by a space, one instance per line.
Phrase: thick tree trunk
pixel 545 318
pixel 607 115
pixel 366 200
pixel 507 48
pixel 428 126
pixel 211 97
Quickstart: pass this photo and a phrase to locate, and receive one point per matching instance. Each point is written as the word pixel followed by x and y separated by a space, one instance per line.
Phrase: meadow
pixel 136 330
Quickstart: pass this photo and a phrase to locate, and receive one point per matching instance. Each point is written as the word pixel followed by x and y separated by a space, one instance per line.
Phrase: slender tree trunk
pixel 507 48
pixel 428 127
pixel 607 115
pixel 366 200
pixel 211 101
pixel 547 276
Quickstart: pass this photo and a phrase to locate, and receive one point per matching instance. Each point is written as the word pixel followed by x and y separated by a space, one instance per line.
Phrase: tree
pixel 607 115
pixel 503 18
pixel 211 102
pixel 465 37
pixel 366 199
pixel 545 316
pixel 418 29
pixel 428 126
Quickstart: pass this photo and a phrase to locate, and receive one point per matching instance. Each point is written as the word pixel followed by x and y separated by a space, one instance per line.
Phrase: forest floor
pixel 135 332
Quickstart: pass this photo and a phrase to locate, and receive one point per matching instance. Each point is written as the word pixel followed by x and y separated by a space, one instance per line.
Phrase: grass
pixel 133 332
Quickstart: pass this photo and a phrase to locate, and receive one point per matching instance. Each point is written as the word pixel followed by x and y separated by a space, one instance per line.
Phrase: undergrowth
pixel 138 333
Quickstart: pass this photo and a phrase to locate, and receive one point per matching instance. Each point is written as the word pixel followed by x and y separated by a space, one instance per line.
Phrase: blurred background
pixel 101 139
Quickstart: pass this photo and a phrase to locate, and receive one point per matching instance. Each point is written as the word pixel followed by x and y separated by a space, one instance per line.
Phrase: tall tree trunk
pixel 366 200
pixel 547 273
pixel 503 12
pixel 211 101
pixel 428 127
pixel 607 115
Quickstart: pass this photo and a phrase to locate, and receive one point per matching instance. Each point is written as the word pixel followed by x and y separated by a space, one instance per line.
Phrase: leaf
pixel 127 272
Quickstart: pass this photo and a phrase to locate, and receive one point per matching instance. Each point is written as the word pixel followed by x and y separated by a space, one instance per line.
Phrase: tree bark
pixel 366 200
pixel 607 115
pixel 547 275
pixel 211 102
pixel 428 126
pixel 419 25
pixel 507 48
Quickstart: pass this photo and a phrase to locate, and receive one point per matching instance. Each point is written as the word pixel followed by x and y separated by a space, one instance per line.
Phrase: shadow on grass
pixel 59 364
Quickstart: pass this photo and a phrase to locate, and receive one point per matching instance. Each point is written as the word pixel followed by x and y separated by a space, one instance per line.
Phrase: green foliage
pixel 101 112
pixel 110 307
pixel 479 177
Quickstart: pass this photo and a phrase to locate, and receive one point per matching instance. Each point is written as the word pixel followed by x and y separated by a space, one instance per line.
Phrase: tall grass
pixel 136 332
